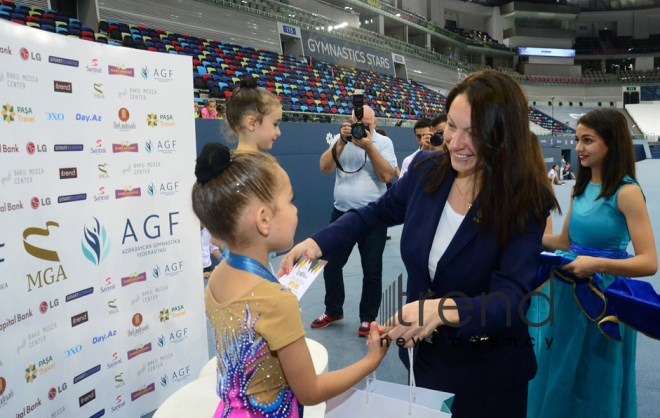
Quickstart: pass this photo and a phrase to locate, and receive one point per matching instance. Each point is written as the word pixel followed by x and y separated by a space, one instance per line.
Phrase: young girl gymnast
pixel 254 115
pixel 245 199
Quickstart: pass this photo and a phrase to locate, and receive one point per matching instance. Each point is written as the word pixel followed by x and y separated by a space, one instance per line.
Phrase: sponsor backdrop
pixel 342 52
pixel 101 295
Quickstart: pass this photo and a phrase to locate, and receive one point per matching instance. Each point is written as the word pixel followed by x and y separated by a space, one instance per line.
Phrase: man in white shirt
pixel 423 135
pixel 207 249
pixel 365 167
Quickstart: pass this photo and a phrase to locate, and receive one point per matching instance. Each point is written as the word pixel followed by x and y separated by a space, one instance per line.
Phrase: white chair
pixel 199 398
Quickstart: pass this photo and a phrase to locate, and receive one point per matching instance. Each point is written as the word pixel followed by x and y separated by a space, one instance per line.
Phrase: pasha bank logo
pixel 95 242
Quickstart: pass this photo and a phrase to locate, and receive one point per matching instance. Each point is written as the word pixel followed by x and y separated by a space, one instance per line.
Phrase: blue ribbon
pixel 250 265
pixel 633 303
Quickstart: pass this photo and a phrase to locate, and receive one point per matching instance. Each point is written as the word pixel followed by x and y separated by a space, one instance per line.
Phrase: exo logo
pixel 75 350
pixel 54 116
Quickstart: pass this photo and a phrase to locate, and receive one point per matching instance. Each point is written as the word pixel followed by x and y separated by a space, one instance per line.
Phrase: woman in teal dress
pixel 583 373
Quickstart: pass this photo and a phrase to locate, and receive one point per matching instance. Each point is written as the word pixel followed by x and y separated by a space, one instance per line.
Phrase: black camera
pixel 358 129
pixel 438 138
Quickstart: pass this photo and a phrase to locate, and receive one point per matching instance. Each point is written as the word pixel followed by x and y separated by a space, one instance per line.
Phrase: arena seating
pixel 539 118
pixel 478 38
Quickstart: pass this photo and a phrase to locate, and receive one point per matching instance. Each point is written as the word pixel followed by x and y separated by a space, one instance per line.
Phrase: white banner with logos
pixel 101 292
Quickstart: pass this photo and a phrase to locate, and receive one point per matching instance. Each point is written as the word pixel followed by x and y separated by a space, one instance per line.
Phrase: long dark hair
pixel 619 161
pixel 515 190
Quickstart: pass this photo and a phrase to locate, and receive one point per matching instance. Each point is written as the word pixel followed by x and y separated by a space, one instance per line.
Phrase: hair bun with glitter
pixel 249 82
pixel 213 160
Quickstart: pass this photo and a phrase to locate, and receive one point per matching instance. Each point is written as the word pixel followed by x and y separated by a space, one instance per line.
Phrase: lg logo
pixel 32 148
pixel 35 203
pixel 25 55
pixel 54 116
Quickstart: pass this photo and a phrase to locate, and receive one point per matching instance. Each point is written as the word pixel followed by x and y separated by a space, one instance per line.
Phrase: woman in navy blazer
pixel 491 186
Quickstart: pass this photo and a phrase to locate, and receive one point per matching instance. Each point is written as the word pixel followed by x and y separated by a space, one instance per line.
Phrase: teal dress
pixel 583 373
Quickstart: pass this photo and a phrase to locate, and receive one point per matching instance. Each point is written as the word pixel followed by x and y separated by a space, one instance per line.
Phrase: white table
pixel 199 398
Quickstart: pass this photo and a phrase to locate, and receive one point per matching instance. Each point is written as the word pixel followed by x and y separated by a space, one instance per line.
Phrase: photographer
pixel 439 123
pixel 423 135
pixel 365 166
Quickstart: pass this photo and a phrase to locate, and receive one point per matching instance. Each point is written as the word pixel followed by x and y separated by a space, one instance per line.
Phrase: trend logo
pixel 152 120
pixel 98 243
pixel 8 113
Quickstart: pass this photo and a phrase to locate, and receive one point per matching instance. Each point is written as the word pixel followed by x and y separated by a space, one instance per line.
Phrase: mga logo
pixel 128 192
pixel 68 173
pixel 121 70
pixel 63 86
pixel 46 276
pixel 81 318
pixel 25 55
pixel 95 243
pixel 152 120
pixel 99 92
pixel 99 148
pixel 103 171
pixel 94 68
pixel 120 381
pixel 112 304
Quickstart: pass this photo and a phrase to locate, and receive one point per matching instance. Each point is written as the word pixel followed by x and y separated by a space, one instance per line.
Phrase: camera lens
pixel 438 138
pixel 357 131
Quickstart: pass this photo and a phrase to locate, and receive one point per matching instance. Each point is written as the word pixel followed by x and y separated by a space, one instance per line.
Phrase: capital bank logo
pixel 94 68
pixel 5 50
pixel 63 86
pixel 25 55
pixel 48 275
pixel 95 242
pixel 102 196
pixel 152 120
pixel 121 69
pixel 99 93
pixel 128 191
pixel 99 148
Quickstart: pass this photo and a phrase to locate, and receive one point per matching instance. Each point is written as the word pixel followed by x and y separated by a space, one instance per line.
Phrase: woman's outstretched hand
pixel 309 247
pixel 415 329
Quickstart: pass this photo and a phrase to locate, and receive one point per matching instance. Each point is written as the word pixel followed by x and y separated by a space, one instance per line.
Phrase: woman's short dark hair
pixel 514 186
pixel 221 202
pixel 619 161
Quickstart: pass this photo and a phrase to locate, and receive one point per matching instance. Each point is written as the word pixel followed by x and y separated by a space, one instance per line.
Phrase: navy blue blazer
pixel 484 354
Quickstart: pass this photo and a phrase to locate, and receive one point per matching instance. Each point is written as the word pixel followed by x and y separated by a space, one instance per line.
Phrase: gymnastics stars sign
pixel 102 303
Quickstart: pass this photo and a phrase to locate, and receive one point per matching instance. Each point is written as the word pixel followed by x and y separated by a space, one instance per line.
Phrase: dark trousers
pixel 500 403
pixel 371 254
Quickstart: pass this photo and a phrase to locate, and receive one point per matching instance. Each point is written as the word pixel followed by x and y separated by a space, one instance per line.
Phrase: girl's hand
pixel 413 333
pixel 309 247
pixel 377 344
pixel 583 266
